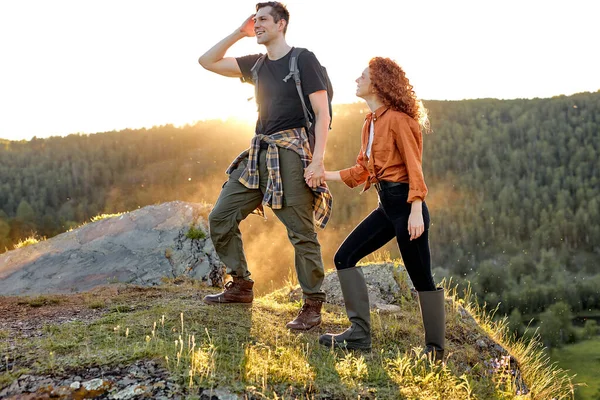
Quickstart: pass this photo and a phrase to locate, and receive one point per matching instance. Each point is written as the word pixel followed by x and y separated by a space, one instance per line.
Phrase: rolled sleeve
pixel 409 142
pixel 357 174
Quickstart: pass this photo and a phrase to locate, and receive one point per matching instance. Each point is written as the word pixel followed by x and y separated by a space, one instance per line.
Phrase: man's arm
pixel 214 59
pixel 315 172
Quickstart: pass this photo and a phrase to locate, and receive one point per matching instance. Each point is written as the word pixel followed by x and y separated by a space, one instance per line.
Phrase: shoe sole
pixel 344 346
pixel 303 329
pixel 219 303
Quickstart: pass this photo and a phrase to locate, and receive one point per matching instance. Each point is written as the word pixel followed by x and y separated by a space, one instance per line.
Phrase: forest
pixel 514 192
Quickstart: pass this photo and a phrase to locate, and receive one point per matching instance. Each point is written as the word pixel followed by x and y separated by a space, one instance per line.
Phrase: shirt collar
pixel 378 113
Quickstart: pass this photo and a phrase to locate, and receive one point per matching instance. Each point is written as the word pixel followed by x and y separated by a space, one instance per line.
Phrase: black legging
pixel 387 221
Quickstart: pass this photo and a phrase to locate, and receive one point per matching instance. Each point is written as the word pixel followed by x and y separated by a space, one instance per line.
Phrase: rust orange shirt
pixel 396 153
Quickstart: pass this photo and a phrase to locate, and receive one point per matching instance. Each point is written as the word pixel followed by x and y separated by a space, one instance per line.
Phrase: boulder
pixel 139 247
pixel 386 283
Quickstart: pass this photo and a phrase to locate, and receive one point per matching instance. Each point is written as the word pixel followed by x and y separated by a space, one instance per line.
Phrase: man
pixel 277 170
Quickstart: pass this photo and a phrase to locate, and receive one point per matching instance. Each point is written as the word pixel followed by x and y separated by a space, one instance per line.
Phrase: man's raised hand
pixel 247 27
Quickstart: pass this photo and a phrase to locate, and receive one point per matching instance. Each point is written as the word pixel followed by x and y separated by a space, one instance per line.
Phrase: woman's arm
pixel 333 176
pixel 416 225
pixel 409 144
pixel 329 176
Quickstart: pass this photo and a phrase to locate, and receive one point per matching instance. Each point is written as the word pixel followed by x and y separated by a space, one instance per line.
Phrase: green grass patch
pixel 40 301
pixel 122 308
pixel 195 233
pixel 96 304
pixel 6 378
pixel 583 359
pixel 249 350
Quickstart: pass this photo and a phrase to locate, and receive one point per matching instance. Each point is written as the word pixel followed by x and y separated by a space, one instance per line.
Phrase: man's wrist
pixel 317 160
pixel 238 34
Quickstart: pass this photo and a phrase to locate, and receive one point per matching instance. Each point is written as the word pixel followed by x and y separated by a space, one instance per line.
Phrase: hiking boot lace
pixel 305 307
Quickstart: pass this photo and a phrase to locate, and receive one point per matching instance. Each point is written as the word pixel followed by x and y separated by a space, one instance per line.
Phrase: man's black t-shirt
pixel 280 106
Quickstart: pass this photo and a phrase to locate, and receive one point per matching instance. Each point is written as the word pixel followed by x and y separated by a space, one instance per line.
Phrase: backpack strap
pixel 254 71
pixel 295 73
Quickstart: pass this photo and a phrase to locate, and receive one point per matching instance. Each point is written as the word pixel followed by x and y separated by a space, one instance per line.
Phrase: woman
pixel 389 160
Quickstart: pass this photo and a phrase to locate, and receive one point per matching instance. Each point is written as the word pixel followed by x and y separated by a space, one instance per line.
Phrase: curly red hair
pixel 395 91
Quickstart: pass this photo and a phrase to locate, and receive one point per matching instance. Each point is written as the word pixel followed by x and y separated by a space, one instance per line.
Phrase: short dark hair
pixel 278 12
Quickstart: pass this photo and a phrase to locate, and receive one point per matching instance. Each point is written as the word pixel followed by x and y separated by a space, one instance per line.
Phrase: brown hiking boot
pixel 238 290
pixel 308 317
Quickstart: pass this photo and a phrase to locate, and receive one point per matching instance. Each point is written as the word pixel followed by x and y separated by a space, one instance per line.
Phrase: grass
pixel 94 303
pixel 248 350
pixel 583 359
pixel 543 377
pixel 100 217
pixel 198 233
pixel 195 233
pixel 29 241
pixel 96 218
pixel 42 300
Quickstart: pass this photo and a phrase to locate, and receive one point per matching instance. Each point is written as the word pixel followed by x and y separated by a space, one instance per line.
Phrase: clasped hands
pixel 314 174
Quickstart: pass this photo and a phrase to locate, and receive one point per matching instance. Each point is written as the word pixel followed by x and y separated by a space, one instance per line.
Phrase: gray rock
pixel 13 388
pixel 386 283
pixel 75 385
pixel 465 315
pixel 42 382
pixel 481 343
pixel 218 394
pixel 140 247
pixel 388 308
pixel 500 349
pixel 125 382
pixel 160 385
pixel 128 393
pixel 93 384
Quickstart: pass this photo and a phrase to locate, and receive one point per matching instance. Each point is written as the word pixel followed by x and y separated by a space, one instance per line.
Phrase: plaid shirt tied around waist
pixel 291 139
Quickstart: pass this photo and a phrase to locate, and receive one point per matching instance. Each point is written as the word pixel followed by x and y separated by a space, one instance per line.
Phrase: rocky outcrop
pixel 141 247
pixel 386 283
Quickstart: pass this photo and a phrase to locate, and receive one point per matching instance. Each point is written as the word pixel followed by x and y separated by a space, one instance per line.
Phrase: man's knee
pixel 220 224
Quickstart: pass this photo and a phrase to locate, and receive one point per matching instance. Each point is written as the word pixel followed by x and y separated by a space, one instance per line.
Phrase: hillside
pixel 163 342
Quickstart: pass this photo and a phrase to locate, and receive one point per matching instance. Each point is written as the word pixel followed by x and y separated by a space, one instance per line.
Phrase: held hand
pixel 416 226
pixel 314 174
pixel 247 28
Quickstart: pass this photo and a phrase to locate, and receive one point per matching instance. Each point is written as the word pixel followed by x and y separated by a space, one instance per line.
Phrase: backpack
pixel 309 119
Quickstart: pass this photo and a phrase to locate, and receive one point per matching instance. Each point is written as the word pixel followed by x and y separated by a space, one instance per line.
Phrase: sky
pixel 87 66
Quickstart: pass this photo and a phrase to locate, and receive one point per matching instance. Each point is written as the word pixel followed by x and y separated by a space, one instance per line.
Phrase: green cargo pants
pixel 236 201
